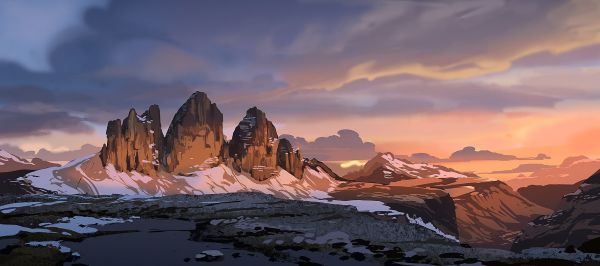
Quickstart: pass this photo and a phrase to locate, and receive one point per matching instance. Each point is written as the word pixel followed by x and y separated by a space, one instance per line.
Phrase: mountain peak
pixel 10 162
pixel 134 145
pixel 385 168
pixel 194 135
pixel 254 145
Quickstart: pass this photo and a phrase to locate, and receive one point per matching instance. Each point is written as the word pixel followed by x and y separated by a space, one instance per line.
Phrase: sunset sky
pixel 517 77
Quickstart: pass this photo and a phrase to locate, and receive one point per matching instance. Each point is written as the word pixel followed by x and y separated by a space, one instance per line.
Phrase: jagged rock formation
pixel 136 144
pixel 577 223
pixel 195 141
pixel 254 145
pixel 289 159
pixel 195 134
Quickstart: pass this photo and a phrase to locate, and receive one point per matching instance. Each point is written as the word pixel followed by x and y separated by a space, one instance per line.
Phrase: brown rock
pixel 254 145
pixel 322 167
pixel 289 159
pixel 195 135
pixel 134 145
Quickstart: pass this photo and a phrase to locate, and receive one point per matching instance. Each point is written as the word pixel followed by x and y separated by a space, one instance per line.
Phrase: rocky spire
pixel 195 134
pixel 135 144
pixel 254 145
pixel 289 159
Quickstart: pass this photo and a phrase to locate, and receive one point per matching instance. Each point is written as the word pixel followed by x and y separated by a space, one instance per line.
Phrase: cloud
pixel 19 123
pixel 29 28
pixel 47 155
pixel 523 168
pixel 472 154
pixel 346 145
pixel 468 154
pixel 319 61
pixel 402 96
pixel 470 39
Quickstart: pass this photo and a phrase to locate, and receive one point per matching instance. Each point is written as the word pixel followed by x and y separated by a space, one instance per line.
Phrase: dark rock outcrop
pixel 576 224
pixel 289 159
pixel 136 144
pixel 254 145
pixel 320 166
pixel 195 134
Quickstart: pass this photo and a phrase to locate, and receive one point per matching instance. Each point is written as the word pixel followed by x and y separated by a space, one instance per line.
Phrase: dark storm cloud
pixel 346 145
pixel 243 53
pixel 400 96
pixel 18 123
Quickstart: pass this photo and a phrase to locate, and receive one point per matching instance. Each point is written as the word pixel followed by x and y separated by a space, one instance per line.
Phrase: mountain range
pixel 194 157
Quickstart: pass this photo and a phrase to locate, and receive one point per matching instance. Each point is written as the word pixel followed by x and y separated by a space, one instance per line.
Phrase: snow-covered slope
pixel 385 168
pixel 88 176
pixel 10 163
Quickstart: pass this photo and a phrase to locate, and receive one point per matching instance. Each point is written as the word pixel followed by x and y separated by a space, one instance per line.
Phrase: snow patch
pixel 13 229
pixel 54 244
pixel 6 156
pixel 80 224
pixel 430 226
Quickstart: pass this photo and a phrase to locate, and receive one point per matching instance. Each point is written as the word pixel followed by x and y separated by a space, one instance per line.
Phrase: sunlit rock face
pixel 254 144
pixel 195 141
pixel 289 159
pixel 195 134
pixel 136 144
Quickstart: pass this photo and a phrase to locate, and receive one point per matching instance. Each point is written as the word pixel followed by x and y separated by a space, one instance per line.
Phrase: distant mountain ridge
pixel 385 168
pixel 10 163
pixel 570 171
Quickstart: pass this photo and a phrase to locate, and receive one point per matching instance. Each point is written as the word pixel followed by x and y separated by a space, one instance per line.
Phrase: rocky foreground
pixel 228 229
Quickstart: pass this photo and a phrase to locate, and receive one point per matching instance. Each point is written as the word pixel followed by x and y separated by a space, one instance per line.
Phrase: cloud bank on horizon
pixel 409 75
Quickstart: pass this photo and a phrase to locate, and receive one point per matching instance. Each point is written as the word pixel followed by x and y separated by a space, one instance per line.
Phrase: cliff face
pixel 577 222
pixel 289 159
pixel 136 143
pixel 195 134
pixel 430 205
pixel 195 141
pixel 254 145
